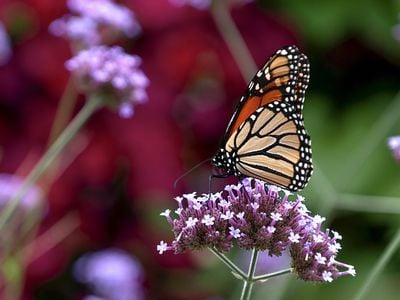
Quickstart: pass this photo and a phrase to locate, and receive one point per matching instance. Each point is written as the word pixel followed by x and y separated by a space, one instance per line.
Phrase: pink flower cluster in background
pixel 109 70
pixel 89 18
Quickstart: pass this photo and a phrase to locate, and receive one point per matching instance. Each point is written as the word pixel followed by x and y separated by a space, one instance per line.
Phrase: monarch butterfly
pixel 265 137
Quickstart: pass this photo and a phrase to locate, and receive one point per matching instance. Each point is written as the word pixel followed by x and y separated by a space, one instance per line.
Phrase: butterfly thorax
pixel 226 161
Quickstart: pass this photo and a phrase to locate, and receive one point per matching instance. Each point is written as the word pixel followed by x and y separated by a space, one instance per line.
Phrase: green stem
pixel 364 203
pixel 235 269
pixel 379 131
pixel 380 265
pixel 13 274
pixel 248 284
pixel 274 274
pixel 64 110
pixel 325 190
pixel 233 39
pixel 91 105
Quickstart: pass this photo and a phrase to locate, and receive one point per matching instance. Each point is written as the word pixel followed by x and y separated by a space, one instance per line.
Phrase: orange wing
pixel 284 77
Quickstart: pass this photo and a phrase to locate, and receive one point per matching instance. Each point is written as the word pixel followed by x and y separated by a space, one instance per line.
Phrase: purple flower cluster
pixel 257 216
pixel 5 47
pixel 112 72
pixel 91 19
pixel 203 4
pixel 394 145
pixel 112 274
pixel 314 253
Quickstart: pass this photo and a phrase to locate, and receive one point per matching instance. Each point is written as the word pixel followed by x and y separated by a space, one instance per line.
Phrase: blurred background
pixel 110 185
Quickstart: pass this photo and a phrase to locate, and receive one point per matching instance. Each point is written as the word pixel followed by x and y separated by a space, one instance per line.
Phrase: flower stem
pixel 64 110
pixel 91 106
pixel 366 203
pixel 248 284
pixel 379 131
pixel 50 238
pixel 380 265
pixel 233 39
pixel 235 269
pixel 274 274
pixel 324 188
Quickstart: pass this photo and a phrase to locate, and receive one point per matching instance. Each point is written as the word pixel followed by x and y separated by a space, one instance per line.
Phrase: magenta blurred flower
pixel 10 184
pixel 394 145
pixel 111 72
pixel 113 274
pixel 259 217
pixel 5 47
pixel 90 19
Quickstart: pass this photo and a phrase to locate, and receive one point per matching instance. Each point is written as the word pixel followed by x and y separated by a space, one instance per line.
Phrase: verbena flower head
pixel 257 216
pixel 10 184
pixel 203 4
pixel 112 274
pixel 112 73
pixel 91 18
pixel 394 145
pixel 5 47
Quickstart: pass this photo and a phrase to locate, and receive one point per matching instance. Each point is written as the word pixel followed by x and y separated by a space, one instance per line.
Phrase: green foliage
pixel 324 24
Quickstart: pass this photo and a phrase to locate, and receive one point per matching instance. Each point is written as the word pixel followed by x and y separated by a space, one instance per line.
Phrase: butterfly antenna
pixel 187 172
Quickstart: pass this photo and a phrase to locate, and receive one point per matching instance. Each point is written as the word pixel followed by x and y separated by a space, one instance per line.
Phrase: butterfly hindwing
pixel 273 147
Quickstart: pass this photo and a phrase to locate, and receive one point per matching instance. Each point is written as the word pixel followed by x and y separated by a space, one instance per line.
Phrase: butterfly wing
pixel 284 77
pixel 274 147
pixel 266 138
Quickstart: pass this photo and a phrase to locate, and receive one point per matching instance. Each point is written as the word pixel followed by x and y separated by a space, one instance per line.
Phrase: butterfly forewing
pixel 266 138
pixel 284 77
